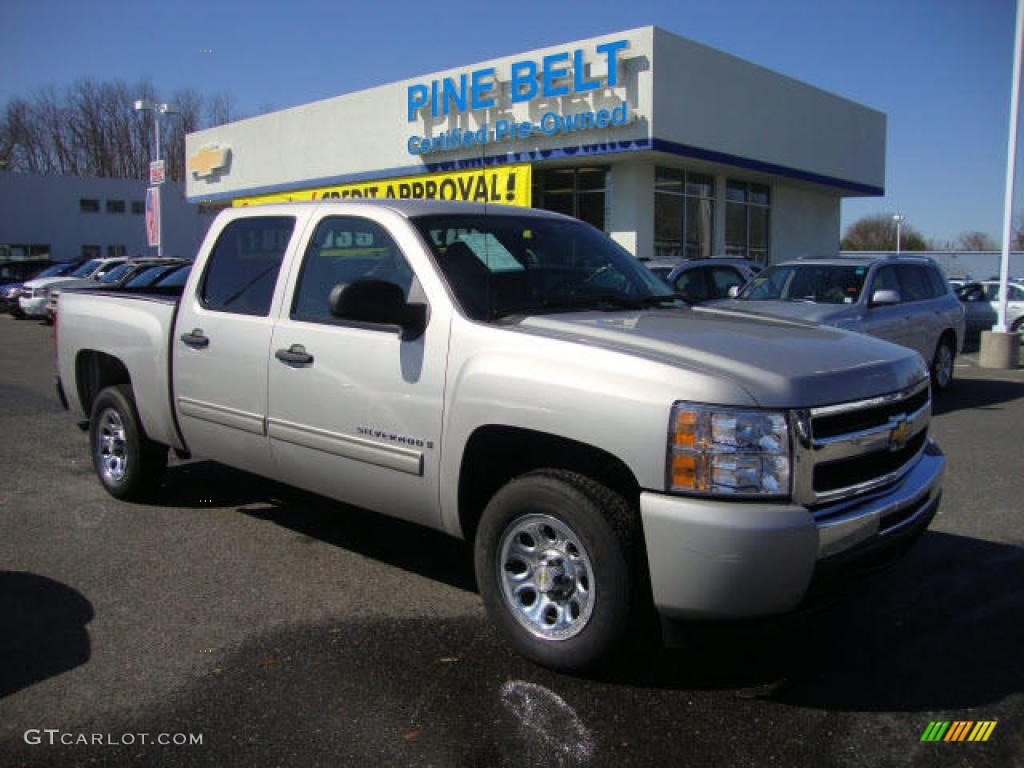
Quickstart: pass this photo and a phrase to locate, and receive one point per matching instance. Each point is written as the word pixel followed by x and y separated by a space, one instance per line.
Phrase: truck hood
pixel 794 310
pixel 779 363
pixel 55 282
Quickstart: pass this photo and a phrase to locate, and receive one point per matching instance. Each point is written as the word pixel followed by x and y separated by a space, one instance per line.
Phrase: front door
pixel 355 409
pixel 886 321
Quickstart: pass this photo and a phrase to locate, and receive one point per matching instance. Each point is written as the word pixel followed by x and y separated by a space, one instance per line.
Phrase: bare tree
pixel 878 233
pixel 220 109
pixel 91 128
pixel 975 241
pixel 1017 233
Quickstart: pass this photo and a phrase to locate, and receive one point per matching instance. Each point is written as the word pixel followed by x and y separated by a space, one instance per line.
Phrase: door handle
pixel 296 354
pixel 196 339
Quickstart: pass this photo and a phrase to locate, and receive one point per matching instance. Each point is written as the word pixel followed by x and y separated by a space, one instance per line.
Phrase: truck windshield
pixel 502 265
pixel 818 283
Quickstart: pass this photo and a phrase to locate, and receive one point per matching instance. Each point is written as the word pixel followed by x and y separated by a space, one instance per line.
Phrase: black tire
pixel 128 464
pixel 1018 328
pixel 941 367
pixel 603 531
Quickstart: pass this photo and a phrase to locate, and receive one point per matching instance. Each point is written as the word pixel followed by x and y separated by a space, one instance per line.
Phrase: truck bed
pixel 133 326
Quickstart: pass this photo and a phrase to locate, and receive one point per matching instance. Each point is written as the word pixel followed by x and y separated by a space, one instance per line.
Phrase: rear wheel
pixel 942 365
pixel 1018 327
pixel 128 464
pixel 554 564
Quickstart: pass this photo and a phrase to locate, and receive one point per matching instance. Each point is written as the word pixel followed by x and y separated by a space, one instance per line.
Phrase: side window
pixel 242 270
pixel 692 285
pixel 344 249
pixel 1016 293
pixel 936 281
pixel 913 282
pixel 991 291
pixel 721 279
pixel 886 280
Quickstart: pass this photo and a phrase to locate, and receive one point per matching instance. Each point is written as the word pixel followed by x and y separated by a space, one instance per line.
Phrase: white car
pixel 35 294
pixel 981 300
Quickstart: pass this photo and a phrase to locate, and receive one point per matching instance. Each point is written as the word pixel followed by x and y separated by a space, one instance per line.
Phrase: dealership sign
pixel 550 78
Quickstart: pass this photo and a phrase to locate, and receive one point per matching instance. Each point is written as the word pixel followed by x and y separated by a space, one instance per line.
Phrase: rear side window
pixel 242 270
pixel 937 281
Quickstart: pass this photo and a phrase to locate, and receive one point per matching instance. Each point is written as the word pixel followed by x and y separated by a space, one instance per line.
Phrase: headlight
pixel 728 452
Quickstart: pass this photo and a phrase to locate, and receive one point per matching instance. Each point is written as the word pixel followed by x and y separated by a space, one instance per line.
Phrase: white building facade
pixel 673 148
pixel 77 217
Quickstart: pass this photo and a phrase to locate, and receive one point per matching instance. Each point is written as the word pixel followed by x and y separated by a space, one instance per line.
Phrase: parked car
pixel 35 294
pixel 902 299
pixel 661 267
pixel 702 280
pixel 11 292
pixel 19 271
pixel 175 279
pixel 115 278
pixel 603 445
pixel 981 302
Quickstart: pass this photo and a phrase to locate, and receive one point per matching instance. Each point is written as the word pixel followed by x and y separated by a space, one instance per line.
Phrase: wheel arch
pixel 495 454
pixel 94 372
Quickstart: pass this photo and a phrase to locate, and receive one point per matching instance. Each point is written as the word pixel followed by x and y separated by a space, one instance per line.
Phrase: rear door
pixel 222 343
pixel 355 409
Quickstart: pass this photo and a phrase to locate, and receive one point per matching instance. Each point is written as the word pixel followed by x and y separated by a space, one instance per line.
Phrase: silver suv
pixel 902 299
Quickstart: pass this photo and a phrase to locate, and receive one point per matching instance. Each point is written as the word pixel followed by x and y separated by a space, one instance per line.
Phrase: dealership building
pixel 672 148
pixel 65 218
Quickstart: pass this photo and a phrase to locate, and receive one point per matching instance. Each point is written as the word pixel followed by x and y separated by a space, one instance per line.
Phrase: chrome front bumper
pixel 718 559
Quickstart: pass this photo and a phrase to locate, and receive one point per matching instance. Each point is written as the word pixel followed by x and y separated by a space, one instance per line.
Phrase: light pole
pixel 145 105
pixel 898 218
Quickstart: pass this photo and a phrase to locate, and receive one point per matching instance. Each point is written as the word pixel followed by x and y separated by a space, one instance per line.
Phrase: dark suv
pixel 902 299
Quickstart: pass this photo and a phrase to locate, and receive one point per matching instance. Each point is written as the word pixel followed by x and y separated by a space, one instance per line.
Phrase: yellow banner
pixel 505 184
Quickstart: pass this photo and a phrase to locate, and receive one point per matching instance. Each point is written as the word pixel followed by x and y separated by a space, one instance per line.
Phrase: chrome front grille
pixel 850 449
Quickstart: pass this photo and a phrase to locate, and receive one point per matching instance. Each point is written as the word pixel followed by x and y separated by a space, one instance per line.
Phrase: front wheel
pixel 942 365
pixel 128 464
pixel 554 564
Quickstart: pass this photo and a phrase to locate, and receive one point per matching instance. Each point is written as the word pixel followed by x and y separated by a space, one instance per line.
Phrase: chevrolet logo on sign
pixel 900 434
pixel 209 159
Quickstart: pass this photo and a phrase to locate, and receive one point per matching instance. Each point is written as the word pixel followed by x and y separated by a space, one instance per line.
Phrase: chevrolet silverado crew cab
pixel 515 378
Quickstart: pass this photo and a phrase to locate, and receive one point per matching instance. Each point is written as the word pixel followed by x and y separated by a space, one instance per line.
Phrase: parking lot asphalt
pixel 286 630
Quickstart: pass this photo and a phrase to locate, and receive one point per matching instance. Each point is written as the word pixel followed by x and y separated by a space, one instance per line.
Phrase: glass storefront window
pixel 747 220
pixel 684 212
pixel 577 192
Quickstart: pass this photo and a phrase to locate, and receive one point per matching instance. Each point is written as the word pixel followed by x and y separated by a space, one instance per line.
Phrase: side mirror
pixel 378 302
pixel 884 297
pixel 734 291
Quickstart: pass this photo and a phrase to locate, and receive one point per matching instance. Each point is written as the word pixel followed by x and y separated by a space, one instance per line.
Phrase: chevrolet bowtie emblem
pixel 209 159
pixel 900 434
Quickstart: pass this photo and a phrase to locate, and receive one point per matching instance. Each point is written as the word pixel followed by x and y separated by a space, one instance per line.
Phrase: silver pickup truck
pixel 515 378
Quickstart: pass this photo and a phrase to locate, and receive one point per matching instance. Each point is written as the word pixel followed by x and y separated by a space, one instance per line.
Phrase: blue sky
pixel 940 70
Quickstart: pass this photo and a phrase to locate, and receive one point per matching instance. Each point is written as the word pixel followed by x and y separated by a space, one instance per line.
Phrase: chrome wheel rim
pixel 943 366
pixel 112 446
pixel 546 577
